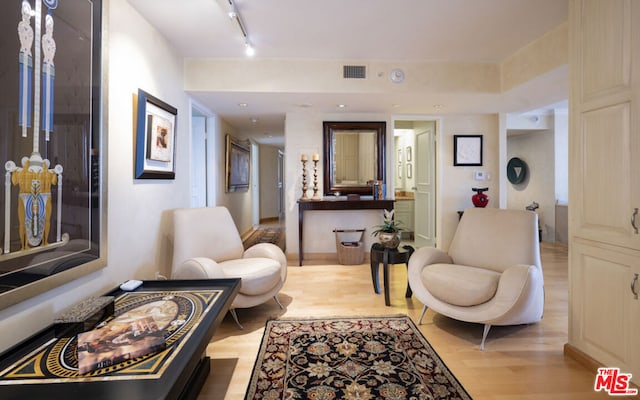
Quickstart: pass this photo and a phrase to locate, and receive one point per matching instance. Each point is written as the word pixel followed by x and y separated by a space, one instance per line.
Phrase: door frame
pixel 438 172
pixel 210 153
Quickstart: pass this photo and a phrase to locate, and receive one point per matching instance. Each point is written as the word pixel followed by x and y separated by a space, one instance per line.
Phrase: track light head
pixel 232 12
pixel 248 49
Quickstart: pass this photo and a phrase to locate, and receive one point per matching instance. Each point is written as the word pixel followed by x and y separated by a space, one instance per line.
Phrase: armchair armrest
pixel 428 255
pixel 198 268
pixel 268 250
pixel 518 294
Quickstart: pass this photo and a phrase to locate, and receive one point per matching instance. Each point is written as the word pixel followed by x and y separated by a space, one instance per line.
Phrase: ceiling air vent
pixel 354 71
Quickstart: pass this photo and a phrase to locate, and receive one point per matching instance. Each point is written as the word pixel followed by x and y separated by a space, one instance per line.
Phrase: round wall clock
pixel 516 170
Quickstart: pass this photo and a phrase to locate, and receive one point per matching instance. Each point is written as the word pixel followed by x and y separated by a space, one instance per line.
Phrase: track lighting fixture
pixel 234 14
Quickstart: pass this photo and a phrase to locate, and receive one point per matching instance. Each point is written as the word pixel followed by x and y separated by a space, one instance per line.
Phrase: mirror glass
pixel 353 156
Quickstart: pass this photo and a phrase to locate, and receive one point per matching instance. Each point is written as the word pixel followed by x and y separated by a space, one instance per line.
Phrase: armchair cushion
pixel 259 275
pixel 460 285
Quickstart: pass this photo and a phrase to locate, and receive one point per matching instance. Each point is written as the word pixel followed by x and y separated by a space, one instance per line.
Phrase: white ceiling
pixel 380 30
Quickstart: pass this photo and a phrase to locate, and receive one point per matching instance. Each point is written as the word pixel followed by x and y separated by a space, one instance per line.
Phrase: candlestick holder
pixel 304 181
pixel 316 195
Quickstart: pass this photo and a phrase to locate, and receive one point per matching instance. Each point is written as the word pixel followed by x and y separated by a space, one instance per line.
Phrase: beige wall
pixel 455 183
pixel 537 150
pixel 238 203
pixel 137 220
pixel 303 134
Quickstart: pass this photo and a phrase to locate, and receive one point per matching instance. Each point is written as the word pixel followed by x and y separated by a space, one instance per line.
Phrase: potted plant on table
pixel 389 232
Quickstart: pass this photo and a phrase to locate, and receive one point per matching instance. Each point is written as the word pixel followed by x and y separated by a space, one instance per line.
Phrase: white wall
pixel 137 220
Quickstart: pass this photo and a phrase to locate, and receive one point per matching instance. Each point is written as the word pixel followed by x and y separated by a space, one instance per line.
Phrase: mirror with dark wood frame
pixel 354 156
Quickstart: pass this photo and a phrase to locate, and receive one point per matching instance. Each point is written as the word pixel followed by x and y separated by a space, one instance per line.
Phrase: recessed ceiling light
pixel 438 106
pixel 242 105
pixel 254 120
pixel 341 106
pixel 305 105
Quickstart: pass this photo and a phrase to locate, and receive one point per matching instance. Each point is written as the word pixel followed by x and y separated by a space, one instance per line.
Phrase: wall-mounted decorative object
pixel 408 152
pixel 51 208
pixel 409 171
pixel 238 157
pixel 517 170
pixel 155 138
pixel 467 150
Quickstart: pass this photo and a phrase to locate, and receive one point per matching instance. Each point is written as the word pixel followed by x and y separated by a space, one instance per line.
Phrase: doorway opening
pixel 414 169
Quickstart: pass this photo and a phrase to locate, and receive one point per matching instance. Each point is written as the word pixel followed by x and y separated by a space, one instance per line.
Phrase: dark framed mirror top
pixel 354 156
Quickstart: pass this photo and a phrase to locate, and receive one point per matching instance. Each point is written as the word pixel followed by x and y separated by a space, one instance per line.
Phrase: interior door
pixel 425 192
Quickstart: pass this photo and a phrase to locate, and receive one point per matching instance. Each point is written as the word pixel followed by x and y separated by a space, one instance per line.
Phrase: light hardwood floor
pixel 519 363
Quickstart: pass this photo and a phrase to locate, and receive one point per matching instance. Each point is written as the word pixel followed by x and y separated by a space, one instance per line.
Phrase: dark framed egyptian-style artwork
pixel 238 157
pixel 51 204
pixel 155 138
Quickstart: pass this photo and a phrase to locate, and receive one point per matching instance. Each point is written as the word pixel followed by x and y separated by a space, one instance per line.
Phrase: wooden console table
pixel 335 205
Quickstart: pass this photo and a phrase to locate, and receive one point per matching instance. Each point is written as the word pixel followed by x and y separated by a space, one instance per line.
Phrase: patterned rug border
pixel 259 234
pixel 437 360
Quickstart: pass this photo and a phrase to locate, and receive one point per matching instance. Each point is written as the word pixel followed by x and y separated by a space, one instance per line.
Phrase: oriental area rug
pixel 349 358
pixel 273 235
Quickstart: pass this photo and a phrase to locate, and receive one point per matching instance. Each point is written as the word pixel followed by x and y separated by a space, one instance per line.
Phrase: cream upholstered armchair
pixel 207 245
pixel 491 274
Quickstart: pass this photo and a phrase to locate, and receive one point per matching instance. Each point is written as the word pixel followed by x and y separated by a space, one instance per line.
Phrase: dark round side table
pixel 386 256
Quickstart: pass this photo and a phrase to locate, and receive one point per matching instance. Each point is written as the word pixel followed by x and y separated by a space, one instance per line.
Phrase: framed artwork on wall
pixel 52 208
pixel 155 138
pixel 238 157
pixel 467 150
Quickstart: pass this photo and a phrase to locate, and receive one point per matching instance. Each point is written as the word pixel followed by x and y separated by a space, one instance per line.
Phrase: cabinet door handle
pixel 633 220
pixel 634 290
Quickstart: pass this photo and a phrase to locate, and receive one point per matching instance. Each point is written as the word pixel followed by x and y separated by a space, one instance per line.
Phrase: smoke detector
pixel 396 75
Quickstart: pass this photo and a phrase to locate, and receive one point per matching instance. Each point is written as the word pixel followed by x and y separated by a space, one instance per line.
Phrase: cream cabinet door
pixel 605 133
pixel 604 313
